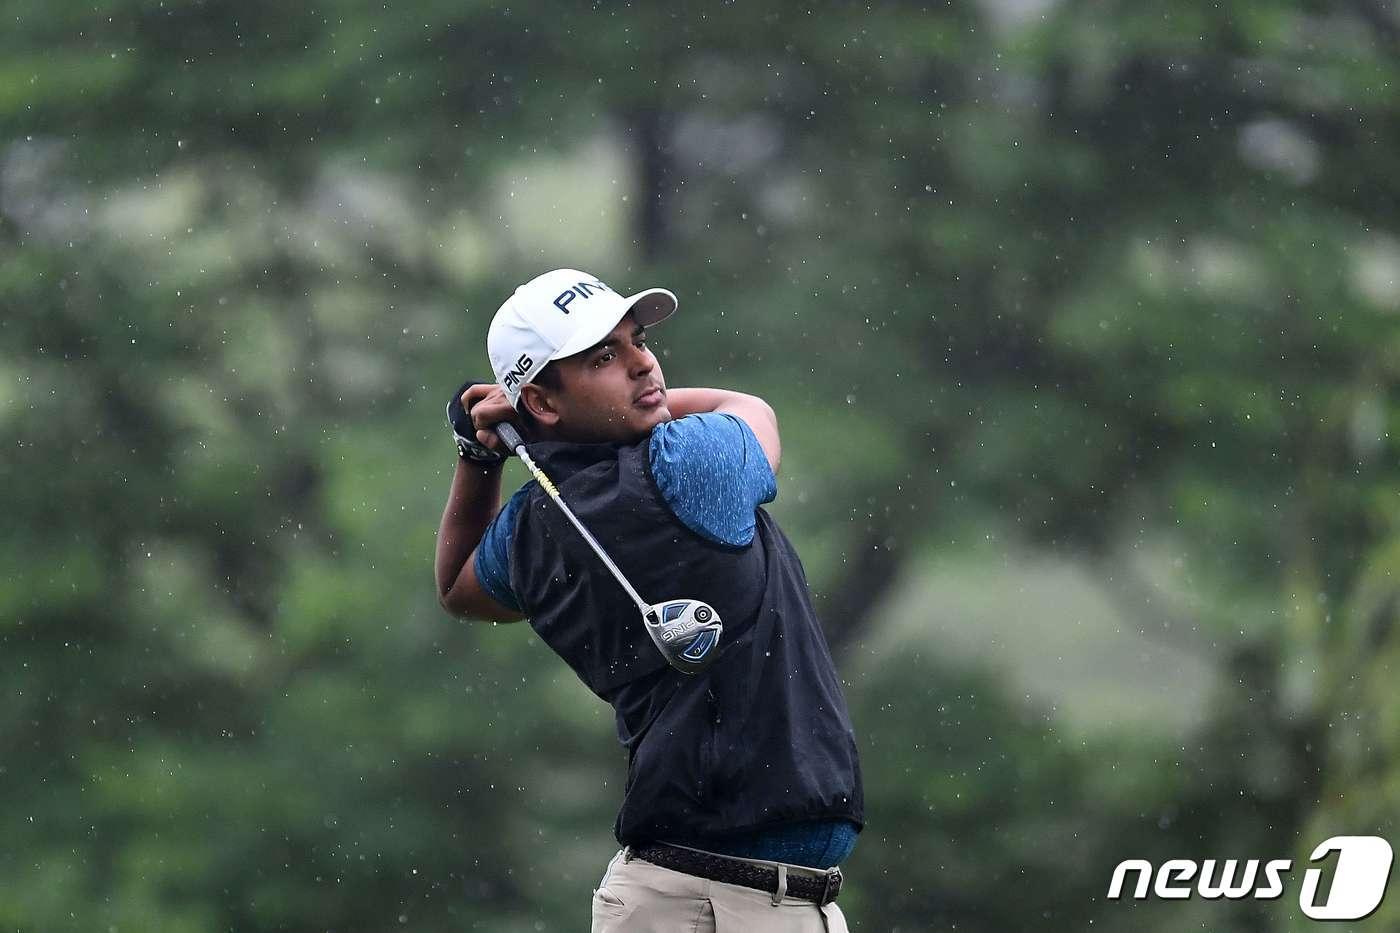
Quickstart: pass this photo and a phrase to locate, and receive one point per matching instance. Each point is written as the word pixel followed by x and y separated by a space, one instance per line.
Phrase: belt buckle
pixel 831 889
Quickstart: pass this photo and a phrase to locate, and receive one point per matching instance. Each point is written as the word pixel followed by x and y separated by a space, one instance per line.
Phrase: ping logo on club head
pixel 691 626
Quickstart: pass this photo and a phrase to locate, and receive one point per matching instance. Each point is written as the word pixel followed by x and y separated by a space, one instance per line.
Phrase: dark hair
pixel 549 378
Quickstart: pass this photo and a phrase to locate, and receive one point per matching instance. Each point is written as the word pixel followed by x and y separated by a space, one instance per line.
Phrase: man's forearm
pixel 472 503
pixel 682 402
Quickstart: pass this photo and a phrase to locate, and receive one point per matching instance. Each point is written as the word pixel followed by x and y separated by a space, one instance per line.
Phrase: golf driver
pixel 685 631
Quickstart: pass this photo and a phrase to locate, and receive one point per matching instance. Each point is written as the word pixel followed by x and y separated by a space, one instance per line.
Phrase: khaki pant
pixel 639 897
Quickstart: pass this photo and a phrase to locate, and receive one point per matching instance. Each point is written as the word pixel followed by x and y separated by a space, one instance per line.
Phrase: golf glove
pixel 468 447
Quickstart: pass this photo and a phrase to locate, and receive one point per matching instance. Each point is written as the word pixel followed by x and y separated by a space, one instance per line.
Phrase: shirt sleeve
pixel 713 474
pixel 493 553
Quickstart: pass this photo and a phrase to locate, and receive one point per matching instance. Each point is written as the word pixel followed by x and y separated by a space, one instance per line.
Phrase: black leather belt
pixel 820 888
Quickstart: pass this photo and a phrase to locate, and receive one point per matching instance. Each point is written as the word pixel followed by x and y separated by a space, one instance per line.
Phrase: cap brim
pixel 648 307
pixel 652 306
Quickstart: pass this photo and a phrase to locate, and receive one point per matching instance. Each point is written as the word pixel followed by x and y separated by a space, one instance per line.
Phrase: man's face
pixel 612 392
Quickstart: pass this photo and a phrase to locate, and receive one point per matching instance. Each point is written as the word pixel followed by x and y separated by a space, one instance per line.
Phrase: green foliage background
pixel 1080 321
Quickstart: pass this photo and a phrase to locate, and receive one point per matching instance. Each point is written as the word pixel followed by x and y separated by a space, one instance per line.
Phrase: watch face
pixel 470 450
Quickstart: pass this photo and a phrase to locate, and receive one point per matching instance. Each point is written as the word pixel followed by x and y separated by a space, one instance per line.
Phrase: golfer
pixel 743 785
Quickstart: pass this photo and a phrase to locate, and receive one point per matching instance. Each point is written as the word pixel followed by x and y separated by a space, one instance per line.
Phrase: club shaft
pixel 588 537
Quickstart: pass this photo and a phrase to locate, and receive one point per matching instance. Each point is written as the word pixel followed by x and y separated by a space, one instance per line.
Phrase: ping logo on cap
pixel 518 371
pixel 581 290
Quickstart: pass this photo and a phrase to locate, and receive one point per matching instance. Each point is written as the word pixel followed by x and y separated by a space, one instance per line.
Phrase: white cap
pixel 559 314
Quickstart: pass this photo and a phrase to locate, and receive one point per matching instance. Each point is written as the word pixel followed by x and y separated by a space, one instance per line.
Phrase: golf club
pixel 685 631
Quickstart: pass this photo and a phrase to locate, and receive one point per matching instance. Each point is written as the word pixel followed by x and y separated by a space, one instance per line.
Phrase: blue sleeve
pixel 713 474
pixel 493 553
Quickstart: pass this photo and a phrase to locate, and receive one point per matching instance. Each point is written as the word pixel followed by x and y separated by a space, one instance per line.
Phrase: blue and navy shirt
pixel 713 474
pixel 710 470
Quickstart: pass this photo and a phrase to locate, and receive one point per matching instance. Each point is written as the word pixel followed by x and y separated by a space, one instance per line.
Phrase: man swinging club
pixel 743 784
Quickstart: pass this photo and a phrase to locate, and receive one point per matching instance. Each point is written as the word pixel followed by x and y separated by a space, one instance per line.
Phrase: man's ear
pixel 535 399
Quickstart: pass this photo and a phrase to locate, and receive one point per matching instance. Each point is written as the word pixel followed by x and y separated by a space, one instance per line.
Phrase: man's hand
pixel 472 411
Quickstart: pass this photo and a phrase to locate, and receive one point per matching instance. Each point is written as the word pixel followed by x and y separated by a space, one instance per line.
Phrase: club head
pixel 686 632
